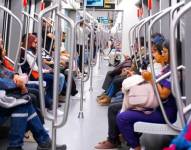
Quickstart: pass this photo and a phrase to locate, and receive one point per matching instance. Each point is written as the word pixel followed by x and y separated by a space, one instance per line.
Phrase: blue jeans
pixel 23 117
pixel 49 87
pixel 111 91
pixel 61 82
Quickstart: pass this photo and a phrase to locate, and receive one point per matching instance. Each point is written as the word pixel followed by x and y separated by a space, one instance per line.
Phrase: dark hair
pixel 1 51
pixel 141 40
pixel 157 40
pixel 165 44
pixel 1 54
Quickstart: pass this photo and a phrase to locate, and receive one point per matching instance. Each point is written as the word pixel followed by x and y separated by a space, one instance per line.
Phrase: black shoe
pixel 62 147
pixel 73 93
pixel 48 146
pixel 14 148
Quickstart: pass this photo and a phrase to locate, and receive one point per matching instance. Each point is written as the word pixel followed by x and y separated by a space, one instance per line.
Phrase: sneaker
pixel 48 146
pixel 14 148
pixel 59 113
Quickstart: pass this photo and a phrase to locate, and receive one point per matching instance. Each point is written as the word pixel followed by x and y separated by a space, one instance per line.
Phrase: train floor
pixel 84 134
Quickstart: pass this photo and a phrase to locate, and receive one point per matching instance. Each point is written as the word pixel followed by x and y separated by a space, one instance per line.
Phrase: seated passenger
pixel 117 71
pixel 23 117
pixel 47 72
pixel 126 119
pixel 116 83
pixel 113 130
pixel 20 88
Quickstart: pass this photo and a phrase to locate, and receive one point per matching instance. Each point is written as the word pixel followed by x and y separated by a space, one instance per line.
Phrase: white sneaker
pixel 59 113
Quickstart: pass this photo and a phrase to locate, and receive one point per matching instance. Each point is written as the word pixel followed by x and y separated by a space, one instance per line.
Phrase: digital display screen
pixel 95 3
pixel 103 20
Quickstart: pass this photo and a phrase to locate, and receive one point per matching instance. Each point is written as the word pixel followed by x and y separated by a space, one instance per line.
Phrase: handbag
pixel 132 81
pixel 142 96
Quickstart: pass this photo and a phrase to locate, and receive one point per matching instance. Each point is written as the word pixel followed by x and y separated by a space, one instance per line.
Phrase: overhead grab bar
pixel 173 58
pixel 20 35
pixel 166 11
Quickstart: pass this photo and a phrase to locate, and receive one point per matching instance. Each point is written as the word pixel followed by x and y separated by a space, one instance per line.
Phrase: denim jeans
pixel 111 91
pixel 61 82
pixel 23 117
pixel 49 87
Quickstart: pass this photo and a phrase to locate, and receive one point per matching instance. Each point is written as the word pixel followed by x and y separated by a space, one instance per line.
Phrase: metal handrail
pixel 42 101
pixel 148 19
pixel 166 11
pixel 173 51
pixel 26 44
pixel 52 25
pixel 20 35
pixel 91 51
pixel 130 40
pixel 181 67
pixel 68 91
pixel 133 39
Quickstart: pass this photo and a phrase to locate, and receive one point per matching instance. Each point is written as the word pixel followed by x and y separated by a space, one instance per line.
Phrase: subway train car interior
pixel 95 75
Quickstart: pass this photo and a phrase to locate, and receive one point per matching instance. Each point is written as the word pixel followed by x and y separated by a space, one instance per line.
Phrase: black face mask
pixel 33 50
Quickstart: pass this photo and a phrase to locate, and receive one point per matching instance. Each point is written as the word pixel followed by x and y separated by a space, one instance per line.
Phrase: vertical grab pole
pixel 9 44
pixel 173 58
pixel 99 46
pixel 68 91
pixel 91 59
pixel 81 114
pixel 56 73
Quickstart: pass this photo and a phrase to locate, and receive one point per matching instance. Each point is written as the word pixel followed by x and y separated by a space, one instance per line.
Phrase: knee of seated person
pixel 111 108
pixel 123 118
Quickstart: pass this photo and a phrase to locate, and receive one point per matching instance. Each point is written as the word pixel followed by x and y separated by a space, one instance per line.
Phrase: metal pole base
pixel 78 98
pixel 61 147
pixel 91 89
pixel 81 114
